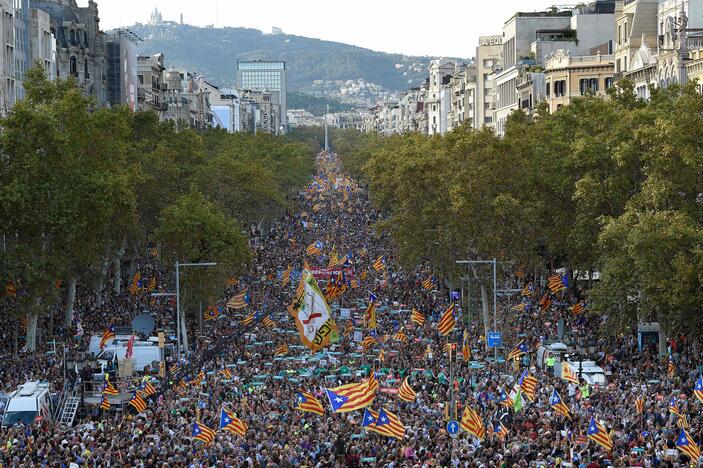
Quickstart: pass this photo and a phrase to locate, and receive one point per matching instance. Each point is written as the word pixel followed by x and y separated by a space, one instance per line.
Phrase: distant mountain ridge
pixel 214 52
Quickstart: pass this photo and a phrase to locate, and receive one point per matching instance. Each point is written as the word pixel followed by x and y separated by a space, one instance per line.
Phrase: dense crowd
pixel 262 388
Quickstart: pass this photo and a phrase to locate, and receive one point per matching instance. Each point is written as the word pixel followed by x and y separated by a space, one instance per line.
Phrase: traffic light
pixel 447 414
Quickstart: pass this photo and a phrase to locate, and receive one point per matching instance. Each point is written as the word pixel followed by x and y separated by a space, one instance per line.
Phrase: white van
pixel 94 346
pixel 29 403
pixel 555 350
pixel 142 356
pixel 589 371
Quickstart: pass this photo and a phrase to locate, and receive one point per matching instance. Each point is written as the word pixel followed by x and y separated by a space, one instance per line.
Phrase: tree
pixel 65 191
pixel 193 230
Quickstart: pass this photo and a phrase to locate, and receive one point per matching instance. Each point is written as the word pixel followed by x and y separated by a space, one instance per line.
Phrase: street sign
pixel 494 339
pixel 452 427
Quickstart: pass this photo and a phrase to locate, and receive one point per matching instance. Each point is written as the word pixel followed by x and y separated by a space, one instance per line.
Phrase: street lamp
pixel 177 294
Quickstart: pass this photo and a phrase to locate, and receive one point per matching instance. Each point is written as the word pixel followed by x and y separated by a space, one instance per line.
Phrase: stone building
pixel 80 45
pixel 570 77
pixel 152 88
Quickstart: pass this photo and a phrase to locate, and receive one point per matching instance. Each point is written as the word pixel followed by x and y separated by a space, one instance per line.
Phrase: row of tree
pixel 84 191
pixel 609 188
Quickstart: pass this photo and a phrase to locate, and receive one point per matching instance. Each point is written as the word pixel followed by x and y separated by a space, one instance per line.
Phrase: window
pixel 73 67
pixel 608 82
pixel 86 73
pixel 549 87
pixel 587 85
pixel 559 88
pixel 72 36
pixel 141 79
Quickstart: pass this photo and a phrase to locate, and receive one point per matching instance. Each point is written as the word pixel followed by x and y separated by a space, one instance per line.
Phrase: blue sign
pixel 452 427
pixel 494 339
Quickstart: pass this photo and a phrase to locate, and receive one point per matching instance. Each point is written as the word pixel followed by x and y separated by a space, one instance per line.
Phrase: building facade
pixel 531 89
pixel 186 101
pixel 635 29
pixel 151 95
pixel 671 59
pixel 121 68
pixel 528 38
pixel 489 61
pixel 80 45
pixel 42 43
pixel 519 32
pixel 462 97
pixel 266 77
pixel 570 77
pixel 438 102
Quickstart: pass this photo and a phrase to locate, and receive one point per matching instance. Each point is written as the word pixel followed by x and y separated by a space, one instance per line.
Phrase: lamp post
pixel 178 343
pixel 452 407
pixel 495 319
pixel 178 300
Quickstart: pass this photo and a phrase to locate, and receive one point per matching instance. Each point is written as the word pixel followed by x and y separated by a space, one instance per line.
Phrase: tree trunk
pixel 70 302
pixel 117 280
pixel 32 319
pixel 484 304
pixel 101 284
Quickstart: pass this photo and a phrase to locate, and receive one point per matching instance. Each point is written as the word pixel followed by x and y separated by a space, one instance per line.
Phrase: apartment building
pixel 528 38
pixel 489 61
pixel 438 102
pixel 568 77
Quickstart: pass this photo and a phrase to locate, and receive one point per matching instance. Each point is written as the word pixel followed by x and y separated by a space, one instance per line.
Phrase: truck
pixel 142 356
pixel 29 403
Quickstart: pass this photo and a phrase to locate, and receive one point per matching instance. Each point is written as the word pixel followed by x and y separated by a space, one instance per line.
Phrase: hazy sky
pixel 427 27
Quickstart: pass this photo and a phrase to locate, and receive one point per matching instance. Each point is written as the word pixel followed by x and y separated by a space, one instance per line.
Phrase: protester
pixel 262 389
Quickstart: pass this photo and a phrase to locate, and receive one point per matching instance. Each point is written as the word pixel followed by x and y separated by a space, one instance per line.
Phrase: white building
pixel 529 37
pixel 635 29
pixel 669 61
pixel 489 61
pixel 462 97
pixel 438 102
pixel 519 32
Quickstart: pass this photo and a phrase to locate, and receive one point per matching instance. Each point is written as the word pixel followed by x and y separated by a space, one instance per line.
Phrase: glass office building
pixel 269 76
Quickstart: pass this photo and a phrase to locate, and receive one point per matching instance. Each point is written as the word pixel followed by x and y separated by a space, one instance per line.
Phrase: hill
pixel 215 52
pixel 316 105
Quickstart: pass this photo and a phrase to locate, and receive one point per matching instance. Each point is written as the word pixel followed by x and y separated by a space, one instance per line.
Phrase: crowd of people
pixel 236 367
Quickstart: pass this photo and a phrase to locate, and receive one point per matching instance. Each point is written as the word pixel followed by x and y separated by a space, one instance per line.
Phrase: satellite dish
pixel 143 324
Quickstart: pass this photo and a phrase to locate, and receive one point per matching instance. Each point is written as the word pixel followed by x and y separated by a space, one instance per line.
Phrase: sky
pixel 402 26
